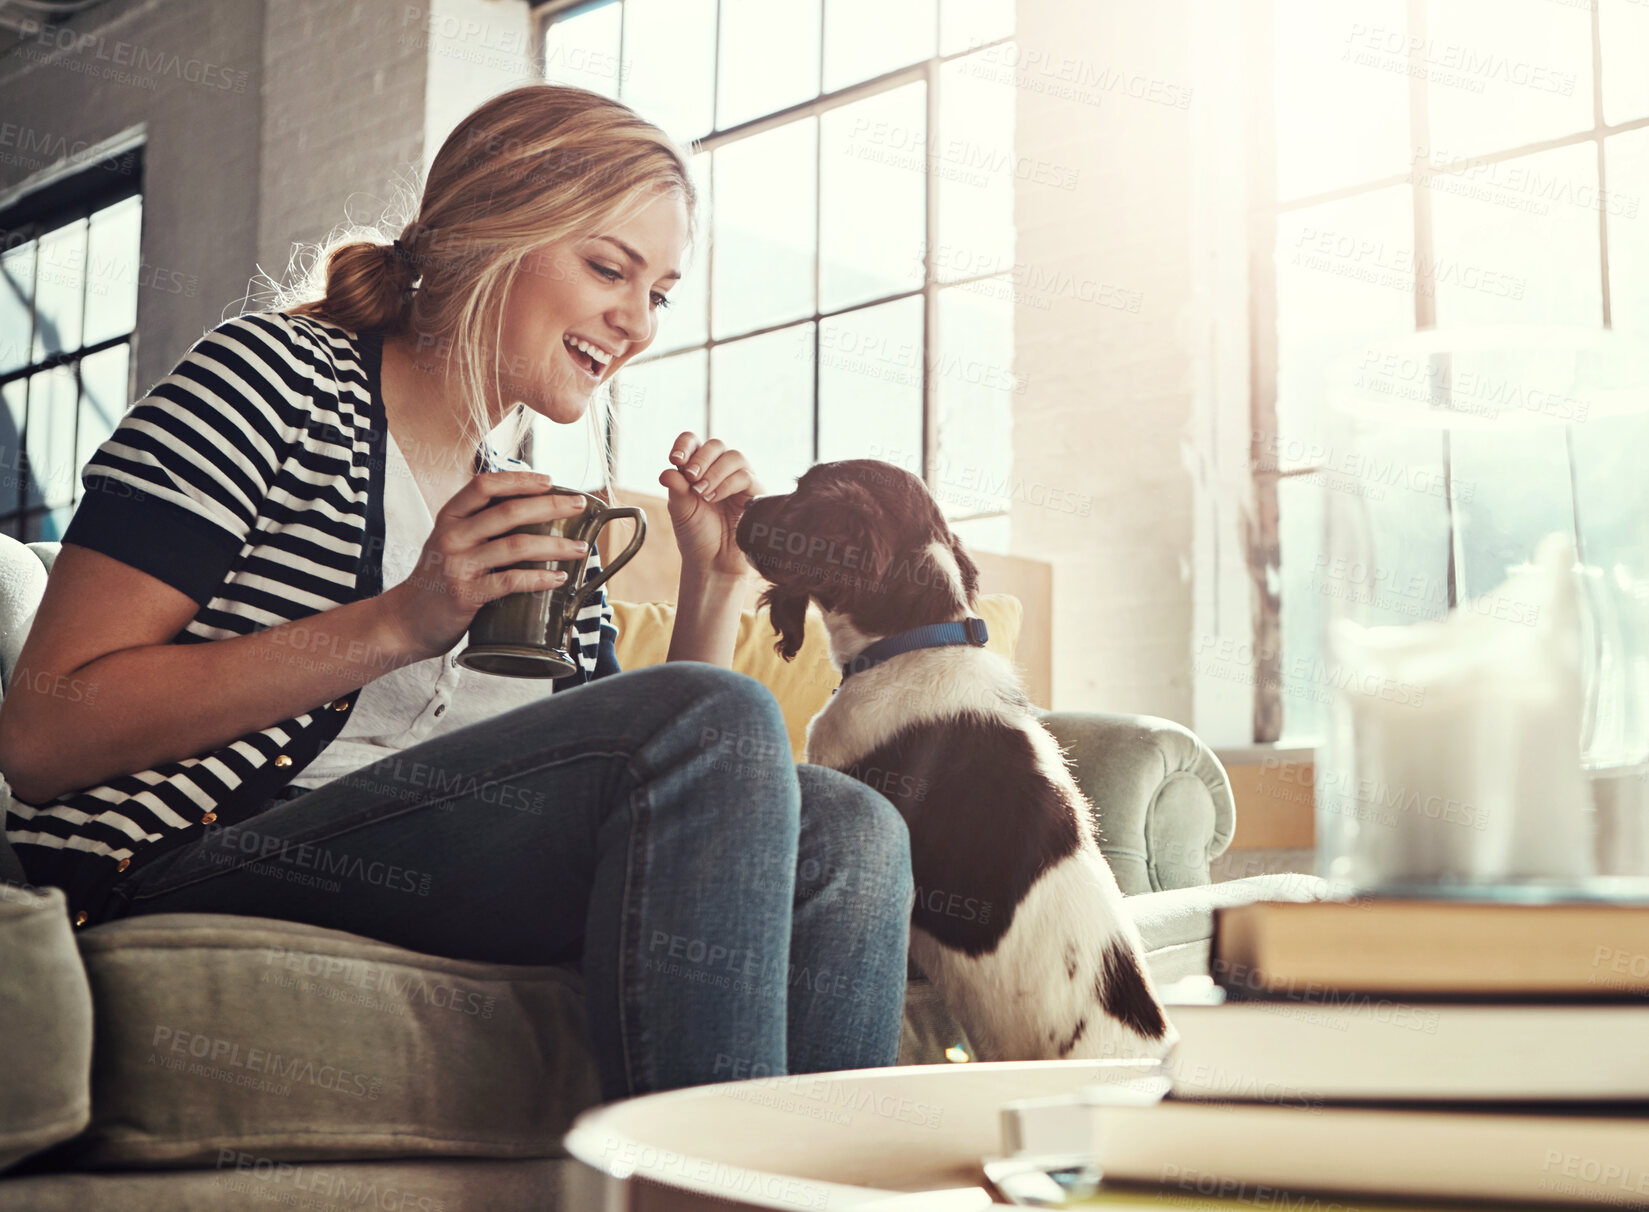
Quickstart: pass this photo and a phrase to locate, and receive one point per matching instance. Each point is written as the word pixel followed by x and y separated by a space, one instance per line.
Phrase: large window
pixel 69 275
pixel 1436 163
pixel 851 293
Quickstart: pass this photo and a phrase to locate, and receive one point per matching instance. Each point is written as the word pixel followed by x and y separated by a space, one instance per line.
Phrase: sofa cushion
pixel 292 1042
pixel 227 1035
pixel 45 1024
pixel 801 686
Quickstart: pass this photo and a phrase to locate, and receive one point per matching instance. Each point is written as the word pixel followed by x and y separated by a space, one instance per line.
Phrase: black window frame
pixel 925 71
pixel 1265 212
pixel 36 213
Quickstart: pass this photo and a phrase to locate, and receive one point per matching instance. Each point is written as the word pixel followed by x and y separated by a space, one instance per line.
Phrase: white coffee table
pixel 909 1138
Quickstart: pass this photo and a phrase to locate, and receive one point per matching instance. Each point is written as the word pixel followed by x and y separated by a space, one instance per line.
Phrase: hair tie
pixel 404 256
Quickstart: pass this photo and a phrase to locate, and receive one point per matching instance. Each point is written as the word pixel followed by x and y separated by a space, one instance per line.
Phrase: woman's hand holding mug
pixel 453 579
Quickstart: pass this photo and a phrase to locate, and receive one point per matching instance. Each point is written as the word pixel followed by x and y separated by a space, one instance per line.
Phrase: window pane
pixel 670 51
pixel 15 395
pixel 864 38
pixel 49 437
pixel 1341 93
pixel 986 534
pixel 16 291
pixel 46 527
pixel 1623 26
pixel 875 148
pixel 1522 245
pixel 112 270
pixel 1345 274
pixel 870 382
pixel 976 120
pixel 687 320
pixel 582 50
pixel 656 401
pixel 769 57
pixel 762 402
pixel 103 390
pixel 975 389
pixel 1505 72
pixel 59 281
pixel 968 23
pixel 1628 206
pixel 764 229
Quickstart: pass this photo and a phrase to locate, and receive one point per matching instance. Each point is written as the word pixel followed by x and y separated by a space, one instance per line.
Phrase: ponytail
pixel 368 287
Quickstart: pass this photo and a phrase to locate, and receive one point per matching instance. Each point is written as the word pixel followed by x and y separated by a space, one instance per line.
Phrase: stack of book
pixel 1425 1049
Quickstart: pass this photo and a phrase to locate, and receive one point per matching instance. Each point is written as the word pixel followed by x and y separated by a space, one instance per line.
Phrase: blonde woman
pixel 277 557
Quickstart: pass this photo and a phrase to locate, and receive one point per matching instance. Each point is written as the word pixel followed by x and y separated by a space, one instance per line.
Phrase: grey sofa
pixel 206 1062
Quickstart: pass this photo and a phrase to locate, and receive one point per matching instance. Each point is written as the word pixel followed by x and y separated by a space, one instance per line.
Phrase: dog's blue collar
pixel 934 635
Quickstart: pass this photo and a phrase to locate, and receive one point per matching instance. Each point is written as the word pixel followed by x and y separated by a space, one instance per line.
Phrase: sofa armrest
pixel 45 1024
pixel 1162 802
pixel 23 573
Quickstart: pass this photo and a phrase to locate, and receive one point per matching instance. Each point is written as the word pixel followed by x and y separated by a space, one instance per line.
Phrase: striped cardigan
pixel 251 479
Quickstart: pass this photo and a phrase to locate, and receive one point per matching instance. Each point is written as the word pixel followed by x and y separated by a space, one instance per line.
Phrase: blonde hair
pixel 530 167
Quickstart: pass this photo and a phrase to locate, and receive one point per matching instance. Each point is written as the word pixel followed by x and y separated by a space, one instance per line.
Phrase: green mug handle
pixel 585 591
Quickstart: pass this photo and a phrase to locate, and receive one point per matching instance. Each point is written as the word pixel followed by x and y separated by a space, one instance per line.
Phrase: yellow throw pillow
pixel 802 686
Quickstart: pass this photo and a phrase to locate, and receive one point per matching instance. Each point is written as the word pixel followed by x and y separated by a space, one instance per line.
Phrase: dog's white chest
pixel 828 740
pixel 870 708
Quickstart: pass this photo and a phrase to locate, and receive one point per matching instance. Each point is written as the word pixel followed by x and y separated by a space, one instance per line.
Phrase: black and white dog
pixel 1018 921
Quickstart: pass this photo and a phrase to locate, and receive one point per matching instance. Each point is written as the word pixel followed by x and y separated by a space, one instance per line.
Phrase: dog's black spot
pixel 1070 961
pixel 1065 1048
pixel 985 822
pixel 1121 989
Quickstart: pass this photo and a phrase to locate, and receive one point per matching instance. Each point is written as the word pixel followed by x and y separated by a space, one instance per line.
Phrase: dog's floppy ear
pixel 787 608
pixel 865 559
pixel 843 548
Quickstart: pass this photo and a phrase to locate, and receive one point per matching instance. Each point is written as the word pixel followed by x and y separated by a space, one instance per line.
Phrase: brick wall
pixel 266 126
pixel 343 121
pixel 161 67
pixel 477 49
pixel 1110 406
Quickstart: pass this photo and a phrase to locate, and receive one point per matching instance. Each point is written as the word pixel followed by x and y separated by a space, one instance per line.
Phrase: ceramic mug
pixel 524 635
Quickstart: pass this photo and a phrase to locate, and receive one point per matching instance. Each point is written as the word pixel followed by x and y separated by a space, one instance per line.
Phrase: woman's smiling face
pixel 582 307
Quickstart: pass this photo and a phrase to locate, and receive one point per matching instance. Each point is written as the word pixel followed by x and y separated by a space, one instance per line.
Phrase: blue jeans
pixel 735 914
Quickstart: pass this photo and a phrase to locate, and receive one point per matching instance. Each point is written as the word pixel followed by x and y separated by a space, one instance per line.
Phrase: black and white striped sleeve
pixel 597 632
pixel 606 662
pixel 177 487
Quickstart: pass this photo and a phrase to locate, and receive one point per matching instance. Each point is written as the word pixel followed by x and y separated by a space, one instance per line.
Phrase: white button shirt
pixel 427 698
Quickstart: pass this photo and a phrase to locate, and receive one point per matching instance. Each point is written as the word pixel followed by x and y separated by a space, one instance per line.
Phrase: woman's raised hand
pixel 709 486
pixel 455 574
